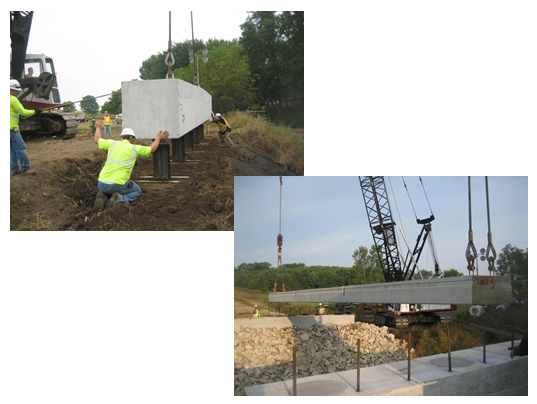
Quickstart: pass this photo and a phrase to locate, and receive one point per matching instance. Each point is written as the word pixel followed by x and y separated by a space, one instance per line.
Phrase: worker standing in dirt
pixel 320 309
pixel 223 126
pixel 257 313
pixel 114 181
pixel 107 121
pixel 19 160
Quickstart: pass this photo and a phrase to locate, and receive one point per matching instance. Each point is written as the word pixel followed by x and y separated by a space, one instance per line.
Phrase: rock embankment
pixel 265 355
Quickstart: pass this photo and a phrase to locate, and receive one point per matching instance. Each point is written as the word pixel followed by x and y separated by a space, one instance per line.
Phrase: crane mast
pixel 383 230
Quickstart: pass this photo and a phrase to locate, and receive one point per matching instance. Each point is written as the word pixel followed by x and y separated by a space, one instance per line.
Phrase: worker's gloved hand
pixel 38 111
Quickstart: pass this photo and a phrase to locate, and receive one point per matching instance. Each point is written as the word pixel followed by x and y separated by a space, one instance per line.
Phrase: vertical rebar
pixel 448 347
pixel 408 376
pixel 484 339
pixel 512 335
pixel 358 365
pixel 294 370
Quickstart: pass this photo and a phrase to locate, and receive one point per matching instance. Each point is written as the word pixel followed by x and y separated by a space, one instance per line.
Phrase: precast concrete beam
pixel 150 106
pixel 452 290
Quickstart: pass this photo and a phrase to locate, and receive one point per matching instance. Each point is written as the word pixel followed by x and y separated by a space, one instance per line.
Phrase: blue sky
pixel 324 218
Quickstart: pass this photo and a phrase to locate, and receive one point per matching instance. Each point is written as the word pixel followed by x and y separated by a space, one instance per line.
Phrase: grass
pixel 280 143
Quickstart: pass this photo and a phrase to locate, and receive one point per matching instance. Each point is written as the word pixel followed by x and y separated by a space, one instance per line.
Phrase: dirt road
pixel 61 195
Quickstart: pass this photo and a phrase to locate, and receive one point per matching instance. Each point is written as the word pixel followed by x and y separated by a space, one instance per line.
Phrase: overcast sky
pixel 324 218
pixel 95 49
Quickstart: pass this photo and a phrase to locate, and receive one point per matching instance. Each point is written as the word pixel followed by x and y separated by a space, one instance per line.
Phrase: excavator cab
pixel 39 82
pixel 37 77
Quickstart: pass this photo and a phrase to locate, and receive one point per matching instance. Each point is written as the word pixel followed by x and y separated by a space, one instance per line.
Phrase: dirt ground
pixel 62 193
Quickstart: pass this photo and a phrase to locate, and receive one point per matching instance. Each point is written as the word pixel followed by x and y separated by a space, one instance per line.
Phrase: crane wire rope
pixel 401 228
pixel 279 242
pixel 426 197
pixel 168 62
pixel 471 252
pixel 491 251
pixel 431 243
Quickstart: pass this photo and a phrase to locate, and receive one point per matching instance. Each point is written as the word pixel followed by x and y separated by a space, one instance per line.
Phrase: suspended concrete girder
pixel 452 290
pixel 150 106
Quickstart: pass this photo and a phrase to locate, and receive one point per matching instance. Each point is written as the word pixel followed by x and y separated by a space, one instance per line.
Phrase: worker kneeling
pixel 114 182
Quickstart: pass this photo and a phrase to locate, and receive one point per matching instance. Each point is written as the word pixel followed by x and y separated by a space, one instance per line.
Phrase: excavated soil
pixel 62 193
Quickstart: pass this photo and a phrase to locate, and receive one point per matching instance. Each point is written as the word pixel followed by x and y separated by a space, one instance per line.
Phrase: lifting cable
pixel 426 197
pixel 408 193
pixel 471 252
pixel 171 62
pixel 491 251
pixel 430 231
pixel 280 244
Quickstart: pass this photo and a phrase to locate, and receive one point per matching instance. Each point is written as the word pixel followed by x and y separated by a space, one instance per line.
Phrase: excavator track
pixel 62 125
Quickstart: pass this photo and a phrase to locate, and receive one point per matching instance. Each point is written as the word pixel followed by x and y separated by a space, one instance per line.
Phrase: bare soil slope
pixel 61 195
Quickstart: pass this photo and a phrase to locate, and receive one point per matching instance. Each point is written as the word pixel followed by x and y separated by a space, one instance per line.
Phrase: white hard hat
pixel 256 305
pixel 218 114
pixel 320 304
pixel 14 85
pixel 128 132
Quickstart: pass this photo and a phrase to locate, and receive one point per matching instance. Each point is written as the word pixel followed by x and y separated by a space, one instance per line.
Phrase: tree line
pixel 512 261
pixel 263 69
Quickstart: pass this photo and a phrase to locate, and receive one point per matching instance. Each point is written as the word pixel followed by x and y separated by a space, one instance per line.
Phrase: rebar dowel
pixel 449 348
pixel 358 366
pixel 512 335
pixel 484 340
pixel 294 370
pixel 408 378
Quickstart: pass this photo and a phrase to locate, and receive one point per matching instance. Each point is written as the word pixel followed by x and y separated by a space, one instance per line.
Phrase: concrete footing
pixel 290 321
pixel 430 376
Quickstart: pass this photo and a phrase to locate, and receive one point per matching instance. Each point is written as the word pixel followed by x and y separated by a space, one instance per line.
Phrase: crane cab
pixel 39 70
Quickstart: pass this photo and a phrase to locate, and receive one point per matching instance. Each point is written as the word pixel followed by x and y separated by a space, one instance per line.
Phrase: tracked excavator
pixel 394 267
pixel 37 77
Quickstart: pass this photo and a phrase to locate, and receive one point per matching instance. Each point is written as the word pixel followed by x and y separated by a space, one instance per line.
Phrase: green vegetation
pixel 90 106
pixel 513 262
pixel 280 143
pixel 263 69
pixel 297 276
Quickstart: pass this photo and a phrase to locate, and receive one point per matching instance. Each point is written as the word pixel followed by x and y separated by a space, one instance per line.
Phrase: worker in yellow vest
pixel 114 181
pixel 223 126
pixel 107 121
pixel 257 313
pixel 320 309
pixel 19 160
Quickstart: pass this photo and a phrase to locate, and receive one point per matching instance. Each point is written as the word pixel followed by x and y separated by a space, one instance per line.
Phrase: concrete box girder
pixel 150 106
pixel 453 290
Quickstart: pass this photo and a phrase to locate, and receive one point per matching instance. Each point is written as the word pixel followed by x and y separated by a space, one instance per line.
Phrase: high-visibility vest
pixel 321 310
pixel 120 160
pixel 257 314
pixel 15 110
pixel 222 125
pixel 107 120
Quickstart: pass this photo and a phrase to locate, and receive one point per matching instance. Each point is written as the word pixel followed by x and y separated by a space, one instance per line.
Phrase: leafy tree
pixel 155 68
pixel 113 105
pixel 513 262
pixel 256 266
pixel 367 265
pixel 226 76
pixel 90 106
pixel 274 44
pixel 452 272
pixel 69 108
